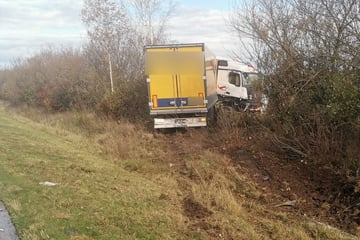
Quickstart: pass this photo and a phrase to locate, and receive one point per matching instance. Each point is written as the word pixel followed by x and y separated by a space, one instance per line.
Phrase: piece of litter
pixel 288 203
pixel 49 184
pixel 265 178
pixel 2 230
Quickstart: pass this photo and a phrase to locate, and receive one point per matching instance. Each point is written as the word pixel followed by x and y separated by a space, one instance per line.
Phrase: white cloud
pixel 28 26
pixel 208 26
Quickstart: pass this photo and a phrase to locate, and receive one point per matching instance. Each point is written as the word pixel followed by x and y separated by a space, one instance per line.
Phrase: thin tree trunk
pixel 111 78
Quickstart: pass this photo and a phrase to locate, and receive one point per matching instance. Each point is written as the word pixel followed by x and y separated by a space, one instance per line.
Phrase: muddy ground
pixel 314 192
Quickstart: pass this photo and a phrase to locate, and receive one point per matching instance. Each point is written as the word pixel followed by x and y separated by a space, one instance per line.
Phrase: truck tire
pixel 211 117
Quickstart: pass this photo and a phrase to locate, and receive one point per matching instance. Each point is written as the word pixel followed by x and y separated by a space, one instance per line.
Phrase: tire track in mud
pixel 184 145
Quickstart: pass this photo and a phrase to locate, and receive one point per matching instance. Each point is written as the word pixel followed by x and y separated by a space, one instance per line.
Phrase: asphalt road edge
pixel 7 228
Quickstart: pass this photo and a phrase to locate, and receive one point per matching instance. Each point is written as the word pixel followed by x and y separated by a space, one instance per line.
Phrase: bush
pixel 63 80
pixel 53 80
pixel 129 101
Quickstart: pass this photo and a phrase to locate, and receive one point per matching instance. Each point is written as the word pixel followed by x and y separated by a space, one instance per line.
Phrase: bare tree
pixel 151 17
pixel 120 29
pixel 309 51
pixel 107 27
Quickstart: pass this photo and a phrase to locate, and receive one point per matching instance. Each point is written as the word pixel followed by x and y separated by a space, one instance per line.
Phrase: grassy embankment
pixel 118 181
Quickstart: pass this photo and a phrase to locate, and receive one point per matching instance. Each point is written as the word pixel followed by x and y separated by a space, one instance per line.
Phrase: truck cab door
pixel 235 86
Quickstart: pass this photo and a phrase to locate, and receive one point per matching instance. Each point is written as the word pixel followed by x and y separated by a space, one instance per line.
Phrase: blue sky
pixel 27 26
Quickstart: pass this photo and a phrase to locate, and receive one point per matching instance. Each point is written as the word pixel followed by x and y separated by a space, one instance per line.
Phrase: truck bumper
pixel 179 122
pixel 178 111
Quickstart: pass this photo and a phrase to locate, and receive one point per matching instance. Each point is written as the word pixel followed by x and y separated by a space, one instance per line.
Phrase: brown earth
pixel 318 193
pixel 315 192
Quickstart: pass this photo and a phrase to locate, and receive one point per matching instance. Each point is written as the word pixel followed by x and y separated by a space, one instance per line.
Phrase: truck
pixel 181 80
pixel 240 85
pixel 187 82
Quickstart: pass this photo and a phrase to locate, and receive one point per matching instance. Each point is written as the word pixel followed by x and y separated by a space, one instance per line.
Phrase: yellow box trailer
pixel 181 84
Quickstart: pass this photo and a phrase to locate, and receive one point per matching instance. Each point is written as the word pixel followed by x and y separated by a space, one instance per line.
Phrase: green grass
pixel 118 181
pixel 95 199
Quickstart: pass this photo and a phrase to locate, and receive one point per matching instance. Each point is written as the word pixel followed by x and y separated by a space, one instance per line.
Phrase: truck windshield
pixel 249 78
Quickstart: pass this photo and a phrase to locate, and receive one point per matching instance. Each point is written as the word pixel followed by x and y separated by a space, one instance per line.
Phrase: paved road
pixel 7 229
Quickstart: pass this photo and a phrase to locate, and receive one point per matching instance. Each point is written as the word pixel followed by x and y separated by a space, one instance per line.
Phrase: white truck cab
pixel 238 85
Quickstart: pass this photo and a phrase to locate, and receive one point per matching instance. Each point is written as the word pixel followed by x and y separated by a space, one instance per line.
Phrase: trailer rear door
pixel 176 77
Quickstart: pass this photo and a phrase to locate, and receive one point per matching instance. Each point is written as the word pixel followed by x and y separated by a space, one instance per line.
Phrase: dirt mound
pixel 194 209
pixel 317 192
